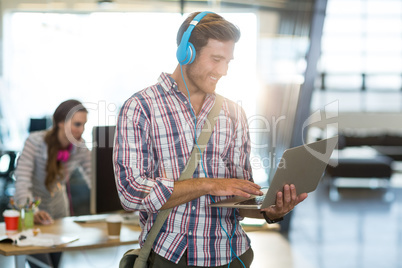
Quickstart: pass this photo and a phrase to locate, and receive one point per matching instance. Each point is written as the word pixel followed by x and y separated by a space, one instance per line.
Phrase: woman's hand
pixel 42 217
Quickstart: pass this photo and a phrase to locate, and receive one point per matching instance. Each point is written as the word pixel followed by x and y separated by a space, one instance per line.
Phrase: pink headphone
pixel 64 155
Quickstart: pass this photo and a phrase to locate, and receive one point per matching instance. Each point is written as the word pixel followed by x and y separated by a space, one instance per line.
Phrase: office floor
pixel 358 231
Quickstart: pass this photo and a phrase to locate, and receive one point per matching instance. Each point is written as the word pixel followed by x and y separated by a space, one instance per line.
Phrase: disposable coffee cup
pixel 114 226
pixel 11 218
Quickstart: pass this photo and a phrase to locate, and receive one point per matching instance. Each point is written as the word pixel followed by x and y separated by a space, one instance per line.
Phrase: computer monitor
pixel 36 124
pixel 104 197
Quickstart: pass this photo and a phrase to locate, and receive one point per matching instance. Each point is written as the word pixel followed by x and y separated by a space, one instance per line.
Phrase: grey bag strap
pixel 141 261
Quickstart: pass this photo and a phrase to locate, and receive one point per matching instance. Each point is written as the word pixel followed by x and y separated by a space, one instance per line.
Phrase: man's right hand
pixel 187 190
pixel 239 187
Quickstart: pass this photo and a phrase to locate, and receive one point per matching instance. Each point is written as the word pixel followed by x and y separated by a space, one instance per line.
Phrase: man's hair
pixel 212 26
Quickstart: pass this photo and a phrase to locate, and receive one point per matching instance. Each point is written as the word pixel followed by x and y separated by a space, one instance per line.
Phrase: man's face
pixel 210 64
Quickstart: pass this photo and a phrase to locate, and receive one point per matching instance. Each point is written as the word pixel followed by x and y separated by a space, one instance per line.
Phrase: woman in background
pixel 48 159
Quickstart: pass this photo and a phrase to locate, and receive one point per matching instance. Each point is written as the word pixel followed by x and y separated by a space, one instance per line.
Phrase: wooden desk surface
pixel 91 236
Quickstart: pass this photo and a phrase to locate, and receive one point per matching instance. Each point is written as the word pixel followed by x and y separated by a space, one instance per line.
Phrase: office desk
pixel 91 236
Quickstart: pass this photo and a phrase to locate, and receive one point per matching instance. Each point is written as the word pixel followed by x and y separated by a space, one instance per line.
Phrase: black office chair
pixel 8 161
pixel 7 174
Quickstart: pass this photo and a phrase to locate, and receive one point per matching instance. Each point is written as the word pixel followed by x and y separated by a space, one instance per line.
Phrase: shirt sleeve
pixel 134 164
pixel 24 172
pixel 239 153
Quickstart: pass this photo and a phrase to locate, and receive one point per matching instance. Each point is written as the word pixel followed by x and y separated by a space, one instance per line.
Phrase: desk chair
pixel 8 160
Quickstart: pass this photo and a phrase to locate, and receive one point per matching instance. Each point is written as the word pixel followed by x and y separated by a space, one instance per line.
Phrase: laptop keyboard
pixel 253 201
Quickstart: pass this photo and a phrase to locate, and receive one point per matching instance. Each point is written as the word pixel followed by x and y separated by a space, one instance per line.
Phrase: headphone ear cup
pixel 181 53
pixel 185 55
pixel 190 53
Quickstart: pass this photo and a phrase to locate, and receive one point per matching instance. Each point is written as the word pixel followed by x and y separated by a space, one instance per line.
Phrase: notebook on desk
pixel 302 166
pixel 128 218
pixel 90 218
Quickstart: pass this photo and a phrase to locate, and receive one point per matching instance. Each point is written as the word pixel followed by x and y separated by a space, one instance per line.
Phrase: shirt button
pixel 190 233
pixel 193 207
pixel 185 102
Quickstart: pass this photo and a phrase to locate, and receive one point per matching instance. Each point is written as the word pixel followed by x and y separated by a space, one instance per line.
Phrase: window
pixel 361 62
pixel 101 58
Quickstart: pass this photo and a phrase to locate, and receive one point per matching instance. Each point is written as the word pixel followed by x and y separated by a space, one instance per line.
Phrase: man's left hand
pixel 285 202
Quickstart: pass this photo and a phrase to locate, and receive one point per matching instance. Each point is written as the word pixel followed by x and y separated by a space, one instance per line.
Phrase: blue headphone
pixel 186 52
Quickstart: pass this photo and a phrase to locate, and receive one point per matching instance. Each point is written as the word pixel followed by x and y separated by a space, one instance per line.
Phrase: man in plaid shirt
pixel 155 134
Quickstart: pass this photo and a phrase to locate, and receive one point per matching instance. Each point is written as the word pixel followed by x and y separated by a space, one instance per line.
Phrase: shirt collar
pixel 167 82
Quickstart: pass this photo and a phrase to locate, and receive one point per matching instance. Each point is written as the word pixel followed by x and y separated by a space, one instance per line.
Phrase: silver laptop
pixel 302 166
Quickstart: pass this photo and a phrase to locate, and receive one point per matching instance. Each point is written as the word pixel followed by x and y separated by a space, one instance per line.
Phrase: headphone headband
pixel 186 52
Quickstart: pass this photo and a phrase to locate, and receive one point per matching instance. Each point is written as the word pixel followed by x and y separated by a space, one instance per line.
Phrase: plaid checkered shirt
pixel 153 141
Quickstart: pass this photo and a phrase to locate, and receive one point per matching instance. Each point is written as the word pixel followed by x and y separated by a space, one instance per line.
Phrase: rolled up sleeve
pixel 134 164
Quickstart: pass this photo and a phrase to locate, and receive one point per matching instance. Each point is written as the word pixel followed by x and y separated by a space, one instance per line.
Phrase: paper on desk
pixel 27 238
pixel 46 240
